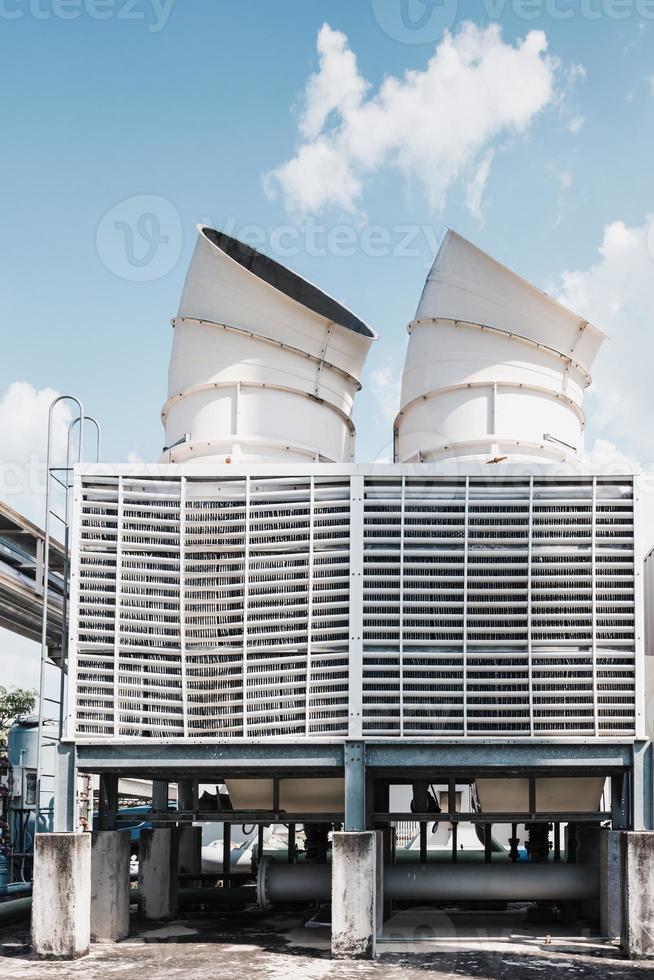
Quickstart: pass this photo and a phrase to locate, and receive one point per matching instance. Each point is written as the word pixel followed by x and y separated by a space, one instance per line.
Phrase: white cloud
pixel 576 72
pixel 337 87
pixel 651 84
pixel 385 383
pixel 635 41
pixel 605 454
pixel 477 186
pixel 23 438
pixel 434 125
pixel 564 179
pixel 20 661
pixel 575 124
pixel 617 294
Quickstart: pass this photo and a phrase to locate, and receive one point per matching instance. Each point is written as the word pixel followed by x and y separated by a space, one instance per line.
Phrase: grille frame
pixel 351 647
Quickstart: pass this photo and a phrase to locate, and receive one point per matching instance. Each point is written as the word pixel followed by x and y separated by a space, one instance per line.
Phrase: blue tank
pixel 22 747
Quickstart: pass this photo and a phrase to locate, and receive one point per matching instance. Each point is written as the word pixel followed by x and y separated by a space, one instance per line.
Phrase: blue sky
pixel 119 109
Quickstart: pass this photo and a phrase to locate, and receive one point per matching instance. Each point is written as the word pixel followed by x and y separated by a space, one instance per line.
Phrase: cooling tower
pixel 495 368
pixel 433 668
pixel 264 365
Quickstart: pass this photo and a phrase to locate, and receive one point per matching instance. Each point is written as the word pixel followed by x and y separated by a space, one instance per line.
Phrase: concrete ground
pixel 266 946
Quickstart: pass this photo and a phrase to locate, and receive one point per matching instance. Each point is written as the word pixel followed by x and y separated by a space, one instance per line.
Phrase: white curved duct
pixel 264 365
pixel 494 366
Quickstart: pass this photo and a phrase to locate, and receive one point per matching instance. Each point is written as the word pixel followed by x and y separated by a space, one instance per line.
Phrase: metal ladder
pixel 58 479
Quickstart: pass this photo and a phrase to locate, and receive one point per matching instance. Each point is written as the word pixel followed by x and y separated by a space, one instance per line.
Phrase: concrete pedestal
pixel 61 905
pixel 638 894
pixel 158 867
pixel 356 885
pixel 110 853
pixel 190 849
pixel 610 861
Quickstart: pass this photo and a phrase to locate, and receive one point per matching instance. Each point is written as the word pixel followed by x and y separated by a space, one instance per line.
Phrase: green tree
pixel 13 704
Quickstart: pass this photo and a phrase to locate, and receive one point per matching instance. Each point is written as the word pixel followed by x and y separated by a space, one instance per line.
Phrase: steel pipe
pixel 278 882
pixel 297 882
pixel 495 882
pixel 219 897
pixel 17 888
pixel 16 910
pixel 19 909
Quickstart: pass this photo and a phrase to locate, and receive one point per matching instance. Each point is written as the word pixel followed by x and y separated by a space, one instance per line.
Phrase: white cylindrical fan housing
pixel 495 368
pixel 264 365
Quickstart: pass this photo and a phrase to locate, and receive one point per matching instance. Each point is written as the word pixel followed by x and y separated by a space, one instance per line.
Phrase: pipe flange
pixel 263 900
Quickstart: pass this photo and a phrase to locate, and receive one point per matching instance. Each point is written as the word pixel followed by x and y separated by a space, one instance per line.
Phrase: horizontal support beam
pixel 232 816
pixel 187 759
pixel 589 816
pixel 584 756
pixel 288 817
pixel 464 760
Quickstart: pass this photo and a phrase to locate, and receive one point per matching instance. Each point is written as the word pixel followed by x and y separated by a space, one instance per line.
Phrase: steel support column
pixel 65 818
pixel 619 802
pixel 159 798
pixel 187 795
pixel 641 786
pixel 108 806
pixel 355 785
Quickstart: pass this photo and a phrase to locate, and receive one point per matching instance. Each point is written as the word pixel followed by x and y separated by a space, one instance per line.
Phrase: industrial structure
pixel 22 593
pixel 22 550
pixel 455 638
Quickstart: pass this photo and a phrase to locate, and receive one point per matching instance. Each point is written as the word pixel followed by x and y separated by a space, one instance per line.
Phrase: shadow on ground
pixel 253 945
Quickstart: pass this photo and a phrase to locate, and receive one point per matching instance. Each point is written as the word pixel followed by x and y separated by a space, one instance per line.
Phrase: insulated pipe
pixel 19 909
pixel 17 888
pixel 15 911
pixel 438 883
pixel 292 882
pixel 494 882
pixel 218 897
pixel 405 855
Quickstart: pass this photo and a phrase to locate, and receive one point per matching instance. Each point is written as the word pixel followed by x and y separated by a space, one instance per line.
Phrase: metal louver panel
pixel 340 600
pixel 258 645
